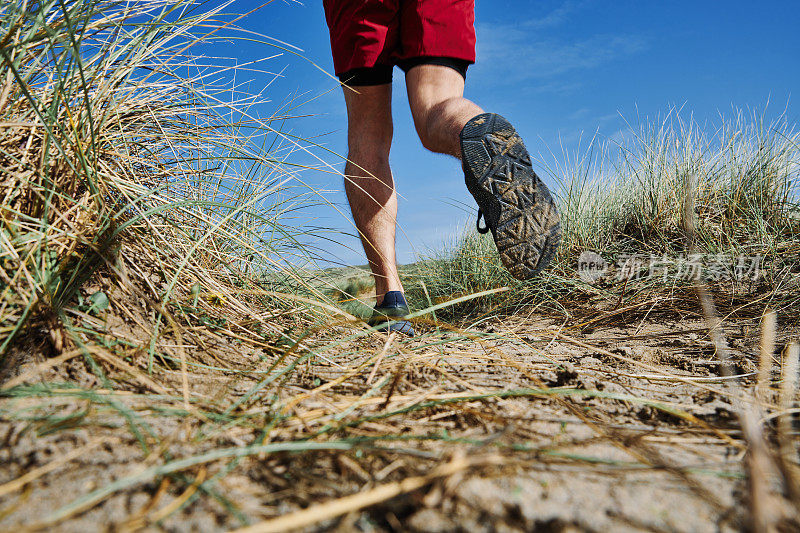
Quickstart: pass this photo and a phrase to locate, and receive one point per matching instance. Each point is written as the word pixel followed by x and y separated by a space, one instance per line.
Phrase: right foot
pixel 515 204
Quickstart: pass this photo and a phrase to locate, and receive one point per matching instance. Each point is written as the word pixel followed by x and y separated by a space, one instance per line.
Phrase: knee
pixel 427 138
pixel 371 157
pixel 422 123
pixel 368 159
pixel 429 124
pixel 369 143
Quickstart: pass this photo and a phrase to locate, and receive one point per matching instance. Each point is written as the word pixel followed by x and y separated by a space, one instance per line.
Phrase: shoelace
pixel 485 228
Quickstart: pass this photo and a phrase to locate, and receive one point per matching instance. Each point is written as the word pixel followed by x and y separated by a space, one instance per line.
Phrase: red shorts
pixel 369 37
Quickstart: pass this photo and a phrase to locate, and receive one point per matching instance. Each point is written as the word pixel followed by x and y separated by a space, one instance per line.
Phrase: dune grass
pixel 111 131
pixel 624 200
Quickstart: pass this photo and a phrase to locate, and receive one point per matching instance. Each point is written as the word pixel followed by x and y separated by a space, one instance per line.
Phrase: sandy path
pixel 623 429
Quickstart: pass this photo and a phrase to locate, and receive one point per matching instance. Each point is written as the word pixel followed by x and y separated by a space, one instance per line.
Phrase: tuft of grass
pixel 630 196
pixel 112 132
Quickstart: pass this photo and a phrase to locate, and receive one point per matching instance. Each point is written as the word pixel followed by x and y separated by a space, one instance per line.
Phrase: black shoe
pixel 388 316
pixel 515 204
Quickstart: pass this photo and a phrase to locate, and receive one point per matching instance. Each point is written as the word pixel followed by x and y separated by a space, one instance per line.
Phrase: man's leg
pixel 440 111
pixel 368 180
pixel 514 203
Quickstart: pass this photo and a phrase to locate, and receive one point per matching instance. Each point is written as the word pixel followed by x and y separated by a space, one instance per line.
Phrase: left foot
pixel 389 314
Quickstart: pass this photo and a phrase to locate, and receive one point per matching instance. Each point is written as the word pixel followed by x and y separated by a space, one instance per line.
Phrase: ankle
pixel 391 298
pixel 382 289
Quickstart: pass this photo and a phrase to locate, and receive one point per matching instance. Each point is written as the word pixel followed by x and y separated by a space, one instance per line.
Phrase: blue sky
pixel 559 70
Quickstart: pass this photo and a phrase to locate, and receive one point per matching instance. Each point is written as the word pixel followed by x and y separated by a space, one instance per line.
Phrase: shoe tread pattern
pixel 518 207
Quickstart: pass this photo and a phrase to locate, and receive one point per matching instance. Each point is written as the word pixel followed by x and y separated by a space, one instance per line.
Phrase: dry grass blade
pixel 326 511
pixel 40 368
pixel 767 509
pixel 788 444
pixel 17 484
pixel 180 500
pixel 769 325
pixel 389 341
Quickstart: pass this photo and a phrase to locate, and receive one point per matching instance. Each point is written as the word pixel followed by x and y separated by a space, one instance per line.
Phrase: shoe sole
pixel 517 206
pixel 391 319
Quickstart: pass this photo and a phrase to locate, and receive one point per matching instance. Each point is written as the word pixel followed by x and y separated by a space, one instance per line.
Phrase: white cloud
pixel 534 51
pixel 556 17
pixel 517 54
